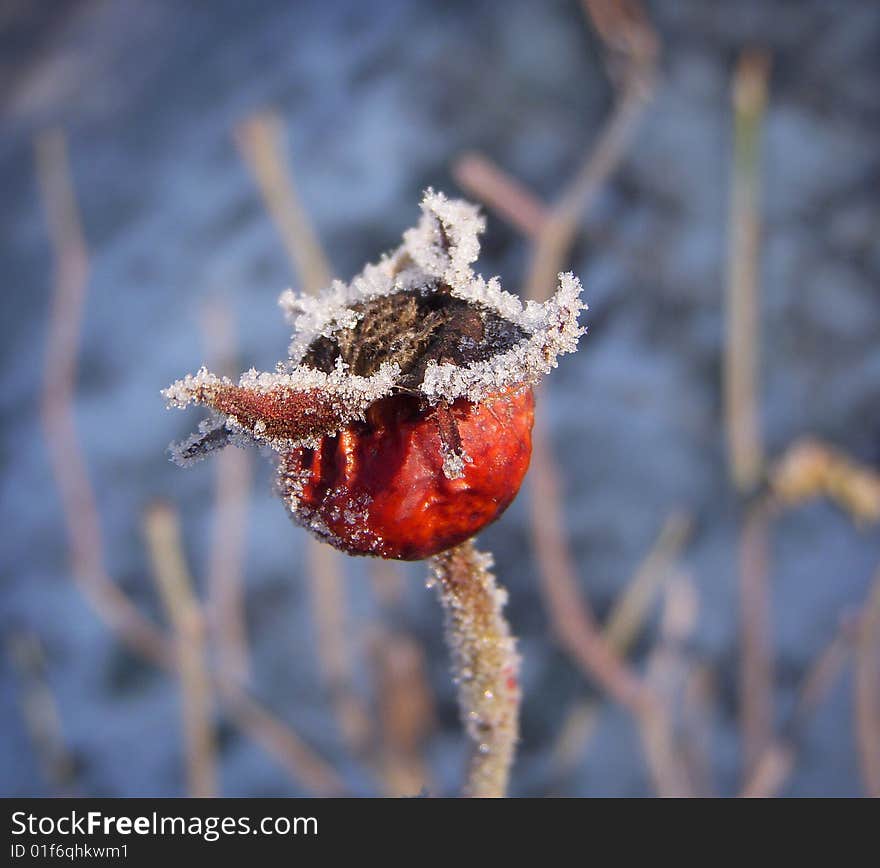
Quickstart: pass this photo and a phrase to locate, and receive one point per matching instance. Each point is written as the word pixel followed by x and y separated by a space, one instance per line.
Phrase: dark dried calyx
pixel 414 328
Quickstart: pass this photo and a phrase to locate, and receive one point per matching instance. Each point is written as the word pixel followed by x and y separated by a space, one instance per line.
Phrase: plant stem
pixel 484 661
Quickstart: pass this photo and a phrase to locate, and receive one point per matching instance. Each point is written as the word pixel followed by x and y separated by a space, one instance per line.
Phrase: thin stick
pixel 225 579
pixel 621 628
pixel 259 140
pixel 777 760
pixel 65 454
pixel 867 691
pixel 632 45
pixel 632 608
pixel 484 661
pixel 741 349
pixel 175 587
pixel 109 602
pixel 570 612
pixel 756 659
pixel 478 175
pixel 279 741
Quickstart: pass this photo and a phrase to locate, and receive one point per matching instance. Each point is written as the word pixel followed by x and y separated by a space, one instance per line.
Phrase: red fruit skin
pixel 378 486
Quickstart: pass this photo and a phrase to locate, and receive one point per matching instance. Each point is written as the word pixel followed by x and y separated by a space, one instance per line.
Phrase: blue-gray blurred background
pixel 376 102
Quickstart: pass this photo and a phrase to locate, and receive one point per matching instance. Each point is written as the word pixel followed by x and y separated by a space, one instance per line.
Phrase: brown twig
pixel 225 585
pixel 741 349
pixel 185 613
pixel 68 464
pixel 479 176
pixel 110 603
pixel 756 659
pixel 259 139
pixel 406 711
pixel 484 662
pixel 621 628
pixel 867 691
pixel 631 610
pixel 777 760
pixel 632 49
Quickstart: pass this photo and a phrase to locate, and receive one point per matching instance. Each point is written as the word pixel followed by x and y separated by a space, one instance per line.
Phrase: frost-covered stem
pixel 484 662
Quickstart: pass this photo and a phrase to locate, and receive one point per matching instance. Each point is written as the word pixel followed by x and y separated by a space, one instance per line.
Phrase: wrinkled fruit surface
pixel 378 487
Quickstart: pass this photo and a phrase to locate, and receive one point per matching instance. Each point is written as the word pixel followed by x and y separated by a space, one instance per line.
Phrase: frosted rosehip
pixel 402 422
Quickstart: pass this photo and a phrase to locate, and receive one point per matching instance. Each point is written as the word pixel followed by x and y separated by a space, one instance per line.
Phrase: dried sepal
pixel 282 410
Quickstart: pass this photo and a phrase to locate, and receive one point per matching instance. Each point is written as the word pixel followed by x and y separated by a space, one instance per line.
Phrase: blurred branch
pixel 260 143
pixel 39 709
pixel 621 628
pixel 406 711
pixel 666 673
pixel 867 691
pixel 576 627
pixel 259 140
pixel 402 689
pixel 225 580
pixel 741 349
pixel 78 505
pixel 110 603
pixel 632 50
pixel 175 587
pixel 756 660
pixel 485 664
pixel 477 175
pixel 631 610
pixel 776 762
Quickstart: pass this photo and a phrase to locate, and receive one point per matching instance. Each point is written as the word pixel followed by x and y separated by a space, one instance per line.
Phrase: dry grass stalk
pixel 741 349
pixel 485 664
pixel 260 142
pixel 175 588
pixel 867 691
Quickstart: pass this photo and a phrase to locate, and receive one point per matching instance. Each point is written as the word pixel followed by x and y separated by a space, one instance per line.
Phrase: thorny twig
pixel 77 496
pixel 485 663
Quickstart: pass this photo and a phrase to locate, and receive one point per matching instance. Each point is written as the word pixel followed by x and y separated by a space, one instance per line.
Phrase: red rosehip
pixel 378 486
pixel 402 422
